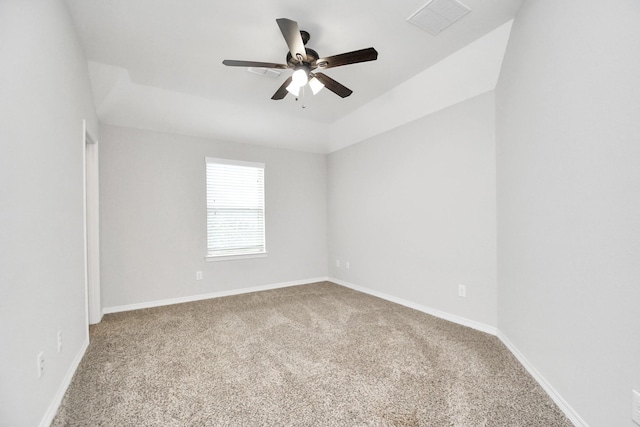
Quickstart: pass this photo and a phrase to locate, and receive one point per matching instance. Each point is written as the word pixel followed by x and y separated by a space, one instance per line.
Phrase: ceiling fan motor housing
pixel 312 57
pixel 305 36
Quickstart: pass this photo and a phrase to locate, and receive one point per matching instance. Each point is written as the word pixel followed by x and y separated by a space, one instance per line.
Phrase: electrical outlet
pixel 59 341
pixel 40 364
pixel 462 291
pixel 198 275
pixel 338 263
pixel 348 265
pixel 635 412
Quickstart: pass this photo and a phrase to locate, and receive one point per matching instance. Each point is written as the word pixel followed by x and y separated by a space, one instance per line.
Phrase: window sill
pixel 210 258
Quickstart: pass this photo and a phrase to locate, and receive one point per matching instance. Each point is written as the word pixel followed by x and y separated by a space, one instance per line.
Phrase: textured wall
pixel 153 217
pixel 413 211
pixel 44 97
pixel 568 190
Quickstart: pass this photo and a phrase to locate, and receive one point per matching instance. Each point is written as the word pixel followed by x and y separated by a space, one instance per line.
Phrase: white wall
pixel 153 217
pixel 44 96
pixel 568 190
pixel 413 211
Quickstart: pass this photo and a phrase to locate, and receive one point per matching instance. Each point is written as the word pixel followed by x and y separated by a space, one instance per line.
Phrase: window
pixel 235 209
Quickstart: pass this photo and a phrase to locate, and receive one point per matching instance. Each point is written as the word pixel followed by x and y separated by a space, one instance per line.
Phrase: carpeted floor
pixel 313 355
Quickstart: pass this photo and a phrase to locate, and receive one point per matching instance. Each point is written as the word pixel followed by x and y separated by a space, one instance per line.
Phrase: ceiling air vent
pixel 437 15
pixel 267 72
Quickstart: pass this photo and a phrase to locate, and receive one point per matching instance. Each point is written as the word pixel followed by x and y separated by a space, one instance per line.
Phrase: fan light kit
pixel 305 62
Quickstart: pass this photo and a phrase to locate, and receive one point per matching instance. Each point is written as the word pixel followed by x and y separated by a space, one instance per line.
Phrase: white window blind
pixel 235 208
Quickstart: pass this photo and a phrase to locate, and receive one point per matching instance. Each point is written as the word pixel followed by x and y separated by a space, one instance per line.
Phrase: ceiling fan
pixel 305 62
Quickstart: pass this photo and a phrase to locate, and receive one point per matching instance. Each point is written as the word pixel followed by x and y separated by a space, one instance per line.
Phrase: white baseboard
pixel 201 297
pixel 66 381
pixel 546 386
pixel 432 311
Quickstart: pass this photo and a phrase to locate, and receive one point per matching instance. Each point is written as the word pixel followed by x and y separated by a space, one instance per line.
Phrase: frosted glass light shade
pixel 315 85
pixel 299 77
pixel 293 89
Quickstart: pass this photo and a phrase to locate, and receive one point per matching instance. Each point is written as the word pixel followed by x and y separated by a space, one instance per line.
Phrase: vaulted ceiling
pixel 157 65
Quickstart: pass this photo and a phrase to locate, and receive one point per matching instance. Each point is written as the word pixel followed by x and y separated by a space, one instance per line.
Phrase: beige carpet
pixel 313 355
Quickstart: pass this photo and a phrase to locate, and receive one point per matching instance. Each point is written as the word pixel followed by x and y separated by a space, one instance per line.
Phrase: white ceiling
pixel 157 65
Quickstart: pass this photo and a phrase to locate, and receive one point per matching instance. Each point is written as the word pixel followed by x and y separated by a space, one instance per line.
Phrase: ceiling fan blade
pixel 282 91
pixel 234 63
pixel 335 87
pixel 362 55
pixel 291 34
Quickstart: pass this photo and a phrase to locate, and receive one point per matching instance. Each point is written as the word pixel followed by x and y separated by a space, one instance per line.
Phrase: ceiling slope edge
pixel 119 101
pixel 469 72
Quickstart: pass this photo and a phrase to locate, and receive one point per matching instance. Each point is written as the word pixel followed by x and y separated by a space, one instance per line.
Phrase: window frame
pixel 210 256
